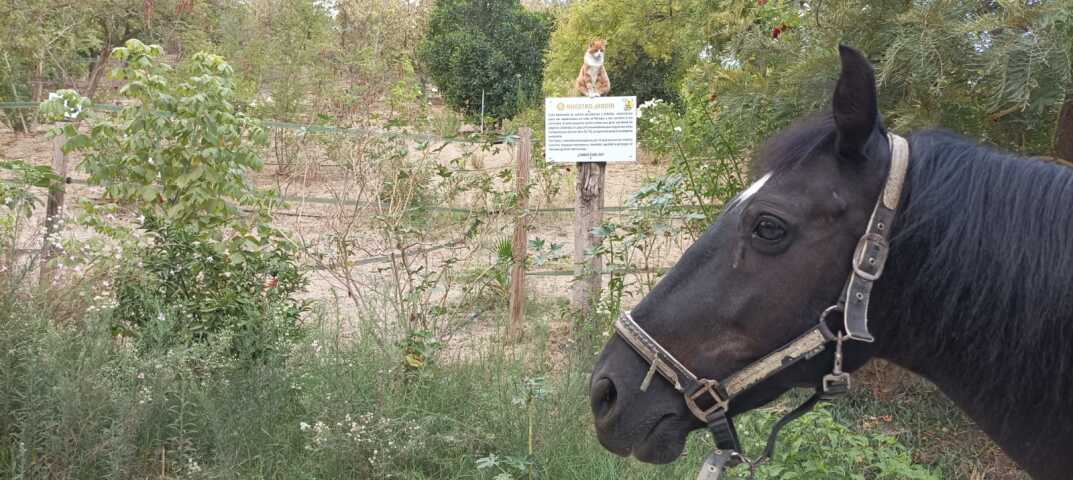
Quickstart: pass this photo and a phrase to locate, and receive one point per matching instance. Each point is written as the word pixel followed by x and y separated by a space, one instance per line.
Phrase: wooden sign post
pixel 589 133
pixel 53 210
pixel 588 214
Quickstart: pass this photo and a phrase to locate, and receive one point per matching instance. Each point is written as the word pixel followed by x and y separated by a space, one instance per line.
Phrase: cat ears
pixel 598 42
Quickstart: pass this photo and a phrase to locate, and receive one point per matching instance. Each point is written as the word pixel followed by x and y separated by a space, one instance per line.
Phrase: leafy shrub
pixel 649 46
pixel 16 179
pixel 206 260
pixel 185 289
pixel 180 152
pixel 493 47
pixel 818 446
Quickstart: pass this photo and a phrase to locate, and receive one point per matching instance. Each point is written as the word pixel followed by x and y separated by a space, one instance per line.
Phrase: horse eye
pixel 769 230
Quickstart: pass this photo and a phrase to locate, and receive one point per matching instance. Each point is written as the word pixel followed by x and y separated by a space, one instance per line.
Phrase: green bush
pixel 490 47
pixel 650 44
pixel 16 180
pixel 203 260
pixel 184 289
pixel 818 446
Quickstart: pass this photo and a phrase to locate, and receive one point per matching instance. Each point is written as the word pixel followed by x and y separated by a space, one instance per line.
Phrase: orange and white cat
pixel 592 81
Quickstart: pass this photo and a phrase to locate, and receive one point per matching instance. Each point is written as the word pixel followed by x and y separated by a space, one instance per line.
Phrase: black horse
pixel 976 295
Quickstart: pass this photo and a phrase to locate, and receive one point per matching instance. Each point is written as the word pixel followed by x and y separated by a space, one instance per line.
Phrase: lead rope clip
pixel 715 464
pixel 719 460
pixel 837 382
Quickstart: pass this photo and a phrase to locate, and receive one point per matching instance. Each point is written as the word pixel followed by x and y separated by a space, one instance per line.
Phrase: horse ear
pixel 855 107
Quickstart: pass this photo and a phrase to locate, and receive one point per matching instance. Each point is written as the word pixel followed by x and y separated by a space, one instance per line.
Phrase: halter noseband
pixel 709 399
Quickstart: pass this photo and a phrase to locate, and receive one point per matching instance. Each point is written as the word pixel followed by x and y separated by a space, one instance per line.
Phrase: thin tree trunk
pixel 1063 136
pixel 102 60
pixel 98 70
pixel 39 77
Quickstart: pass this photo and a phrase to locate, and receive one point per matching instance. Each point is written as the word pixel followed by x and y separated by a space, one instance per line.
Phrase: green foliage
pixel 818 446
pixel 641 239
pixel 499 277
pixel 277 45
pixel 41 43
pixel 490 47
pixel 340 409
pixel 178 154
pixel 186 289
pixel 543 252
pixel 646 78
pixel 997 71
pixel 181 150
pixel 51 44
pixel 419 350
pixel 650 44
pixel 16 179
pixel 65 105
pixel 18 199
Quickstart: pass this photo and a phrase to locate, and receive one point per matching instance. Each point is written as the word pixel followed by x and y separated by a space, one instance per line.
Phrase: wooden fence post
pixel 53 210
pixel 520 243
pixel 588 212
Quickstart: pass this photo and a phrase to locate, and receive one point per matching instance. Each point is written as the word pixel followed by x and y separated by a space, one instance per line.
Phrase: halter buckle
pixel 710 389
pixel 870 256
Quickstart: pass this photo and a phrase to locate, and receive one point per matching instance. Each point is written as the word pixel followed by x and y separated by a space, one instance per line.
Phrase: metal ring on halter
pixel 828 311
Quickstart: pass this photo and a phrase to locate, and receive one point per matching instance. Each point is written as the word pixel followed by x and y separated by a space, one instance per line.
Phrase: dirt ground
pixel 311 221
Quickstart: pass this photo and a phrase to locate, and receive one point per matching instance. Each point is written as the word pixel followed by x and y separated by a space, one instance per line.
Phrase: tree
pixel 205 260
pixel 650 45
pixel 41 43
pixel 490 47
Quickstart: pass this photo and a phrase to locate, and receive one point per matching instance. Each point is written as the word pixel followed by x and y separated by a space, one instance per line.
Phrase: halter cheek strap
pixel 709 399
pixel 873 248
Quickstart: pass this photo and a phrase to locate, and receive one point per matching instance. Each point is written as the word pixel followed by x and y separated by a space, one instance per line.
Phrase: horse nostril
pixel 603 397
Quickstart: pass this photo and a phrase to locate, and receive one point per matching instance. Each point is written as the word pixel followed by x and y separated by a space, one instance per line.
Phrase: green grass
pixel 889 399
pixel 77 404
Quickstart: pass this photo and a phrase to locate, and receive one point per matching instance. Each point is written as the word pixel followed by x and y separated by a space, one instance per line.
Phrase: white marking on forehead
pixel 755 187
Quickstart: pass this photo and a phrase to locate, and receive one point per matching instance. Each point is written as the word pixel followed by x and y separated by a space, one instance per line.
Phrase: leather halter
pixel 709 399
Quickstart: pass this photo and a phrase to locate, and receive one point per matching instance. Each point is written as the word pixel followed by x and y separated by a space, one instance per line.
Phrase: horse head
pixel 761 275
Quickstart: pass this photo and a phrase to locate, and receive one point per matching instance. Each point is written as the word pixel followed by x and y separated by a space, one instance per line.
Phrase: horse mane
pixel 983 256
pixel 983 243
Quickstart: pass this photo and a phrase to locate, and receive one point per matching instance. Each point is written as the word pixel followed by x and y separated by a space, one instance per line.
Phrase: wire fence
pixel 680 210
pixel 310 128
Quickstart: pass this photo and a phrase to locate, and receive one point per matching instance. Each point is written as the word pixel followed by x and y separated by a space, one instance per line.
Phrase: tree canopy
pixel 649 46
pixel 998 71
pixel 490 49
